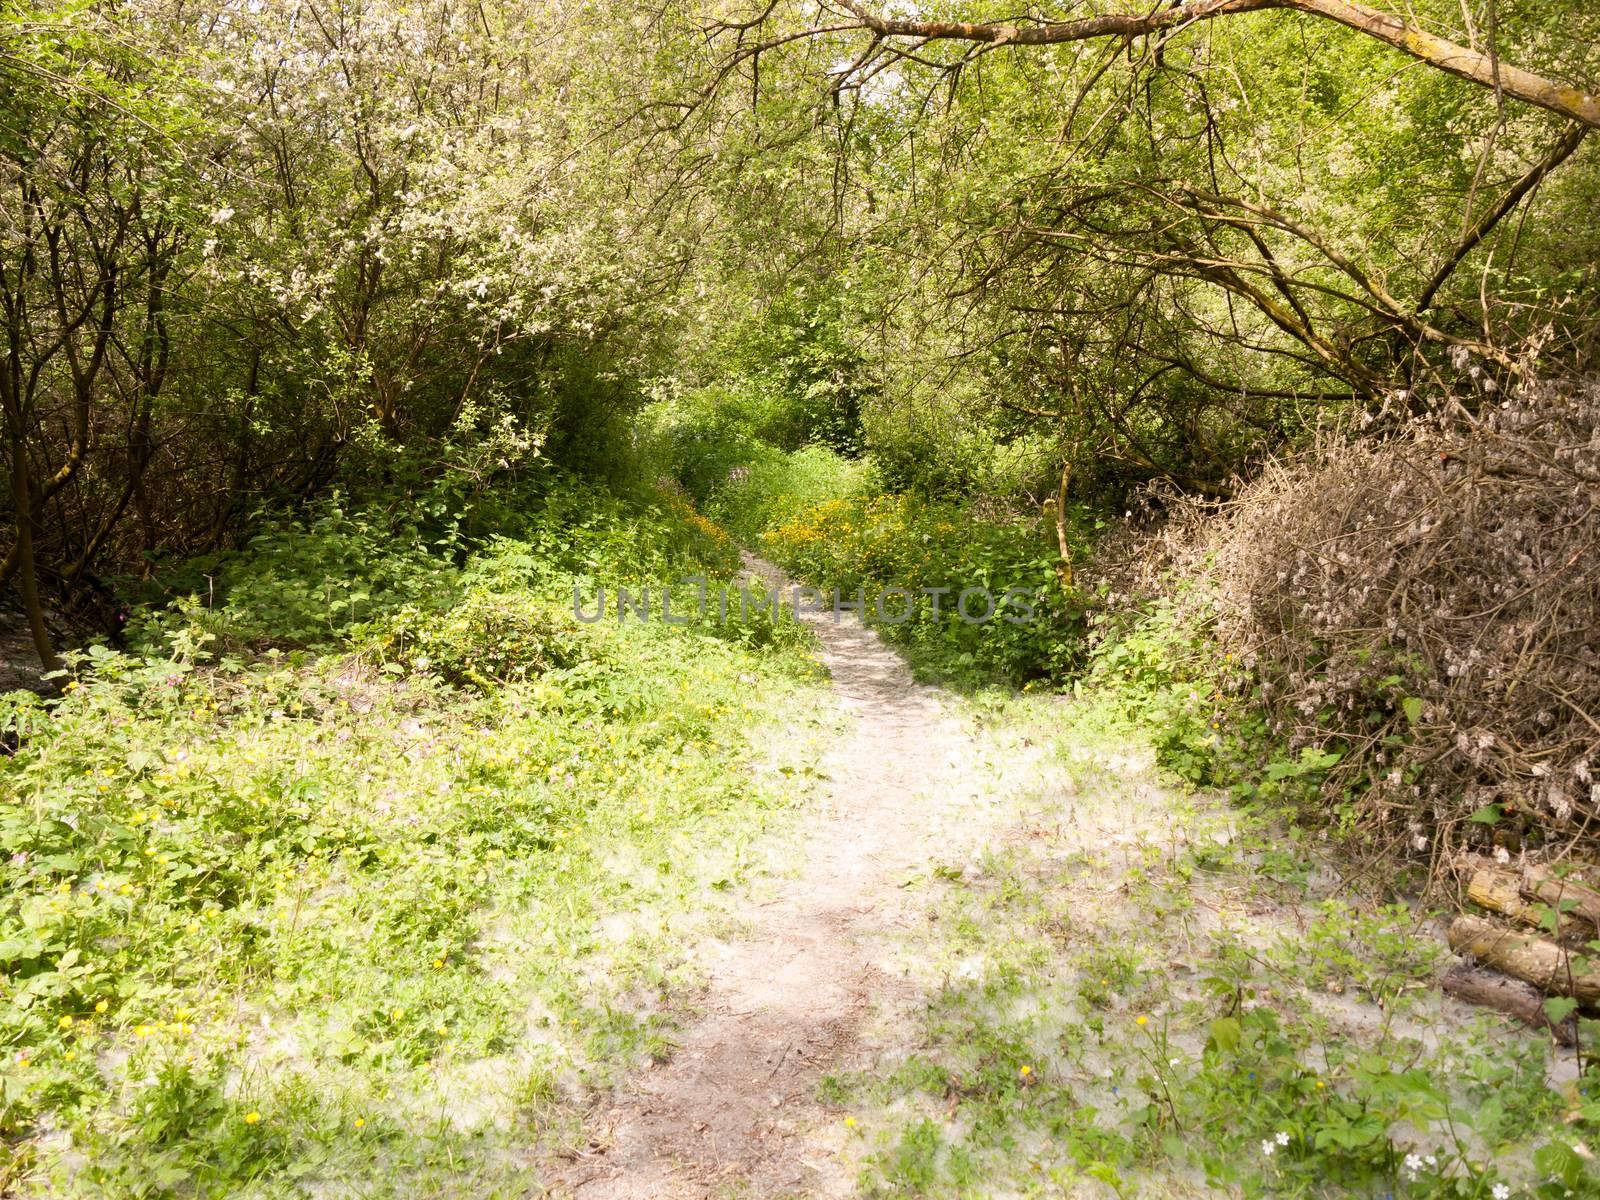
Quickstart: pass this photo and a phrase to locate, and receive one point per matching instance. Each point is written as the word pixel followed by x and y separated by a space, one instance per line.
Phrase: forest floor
pixel 1005 958
pixel 706 913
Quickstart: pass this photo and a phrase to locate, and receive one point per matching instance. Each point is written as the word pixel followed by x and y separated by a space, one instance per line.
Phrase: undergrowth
pixel 366 857
pixel 1135 992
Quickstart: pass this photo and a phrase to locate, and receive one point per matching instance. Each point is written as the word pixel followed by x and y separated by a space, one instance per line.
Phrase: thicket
pixel 246 259
pixel 1395 633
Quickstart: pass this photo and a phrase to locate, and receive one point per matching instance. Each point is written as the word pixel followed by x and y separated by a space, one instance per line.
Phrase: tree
pixel 1170 240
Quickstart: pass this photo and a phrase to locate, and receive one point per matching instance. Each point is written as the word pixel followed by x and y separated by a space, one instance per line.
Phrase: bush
pixel 309 581
pixel 699 438
pixel 774 487
pixel 1411 623
pixel 936 551
pixel 952 450
pixel 350 572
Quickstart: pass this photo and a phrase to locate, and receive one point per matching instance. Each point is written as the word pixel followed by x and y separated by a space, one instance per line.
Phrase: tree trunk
pixel 27 572
pixel 1503 892
pixel 1510 996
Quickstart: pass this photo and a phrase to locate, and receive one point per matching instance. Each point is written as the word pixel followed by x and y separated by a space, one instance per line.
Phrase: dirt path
pixel 1002 916
pixel 734 1112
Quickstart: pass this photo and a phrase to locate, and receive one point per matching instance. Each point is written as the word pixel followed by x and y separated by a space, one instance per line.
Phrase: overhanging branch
pixel 1437 52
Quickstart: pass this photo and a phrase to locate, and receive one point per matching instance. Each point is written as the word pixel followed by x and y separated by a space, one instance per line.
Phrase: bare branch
pixel 1559 153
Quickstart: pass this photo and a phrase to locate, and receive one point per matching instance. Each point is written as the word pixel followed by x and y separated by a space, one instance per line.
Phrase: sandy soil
pixel 734 1111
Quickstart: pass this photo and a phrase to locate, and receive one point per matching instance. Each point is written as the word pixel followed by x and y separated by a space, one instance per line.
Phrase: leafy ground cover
pixel 304 892
pixel 1133 989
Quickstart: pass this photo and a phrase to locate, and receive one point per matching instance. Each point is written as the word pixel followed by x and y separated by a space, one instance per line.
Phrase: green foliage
pixel 785 380
pixel 776 487
pixel 949 449
pixel 911 560
pixel 800 373
pixel 701 438
pixel 262 909
pixel 309 580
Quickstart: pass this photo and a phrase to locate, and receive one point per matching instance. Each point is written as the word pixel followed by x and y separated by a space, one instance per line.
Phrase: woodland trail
pixel 735 1111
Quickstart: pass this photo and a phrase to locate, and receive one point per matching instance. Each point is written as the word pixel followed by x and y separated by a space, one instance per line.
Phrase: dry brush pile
pixel 1428 606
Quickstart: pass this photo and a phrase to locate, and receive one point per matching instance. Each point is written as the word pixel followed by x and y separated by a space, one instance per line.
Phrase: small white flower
pixel 1500 1191
pixel 1268 1148
pixel 1283 1138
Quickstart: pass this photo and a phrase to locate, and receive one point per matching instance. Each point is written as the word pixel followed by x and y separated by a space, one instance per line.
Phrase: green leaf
pixel 1412 707
pixel 1560 1162
pixel 1559 1008
pixel 1489 814
pixel 1225 1034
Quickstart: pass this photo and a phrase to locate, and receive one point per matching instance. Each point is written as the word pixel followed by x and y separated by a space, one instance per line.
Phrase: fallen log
pixel 1503 892
pixel 1538 960
pixel 1563 893
pixel 1511 996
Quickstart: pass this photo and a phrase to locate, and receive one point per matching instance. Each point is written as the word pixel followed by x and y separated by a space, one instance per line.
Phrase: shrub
pixel 936 551
pixel 309 581
pixel 774 487
pixel 1416 619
